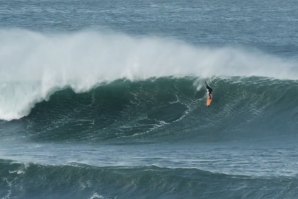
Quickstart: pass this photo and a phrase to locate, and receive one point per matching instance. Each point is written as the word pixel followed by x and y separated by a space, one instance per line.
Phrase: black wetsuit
pixel 209 89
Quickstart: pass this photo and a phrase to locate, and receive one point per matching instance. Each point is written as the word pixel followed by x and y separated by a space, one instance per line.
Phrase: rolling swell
pixel 167 108
pixel 83 181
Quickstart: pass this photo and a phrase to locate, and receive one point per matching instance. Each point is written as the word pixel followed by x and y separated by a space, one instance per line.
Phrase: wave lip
pixel 34 65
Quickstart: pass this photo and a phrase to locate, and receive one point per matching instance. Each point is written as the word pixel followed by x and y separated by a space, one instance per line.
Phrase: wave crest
pixel 34 65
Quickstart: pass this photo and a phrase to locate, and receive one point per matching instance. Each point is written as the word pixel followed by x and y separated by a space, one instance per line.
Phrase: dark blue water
pixel 106 99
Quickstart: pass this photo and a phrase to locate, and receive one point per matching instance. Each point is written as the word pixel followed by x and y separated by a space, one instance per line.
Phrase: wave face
pixel 34 65
pixel 166 108
pixel 83 181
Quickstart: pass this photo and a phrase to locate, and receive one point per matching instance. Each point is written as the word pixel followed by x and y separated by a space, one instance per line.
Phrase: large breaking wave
pixel 170 108
pixel 35 65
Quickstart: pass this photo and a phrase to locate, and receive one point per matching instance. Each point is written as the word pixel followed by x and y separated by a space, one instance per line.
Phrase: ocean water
pixel 106 99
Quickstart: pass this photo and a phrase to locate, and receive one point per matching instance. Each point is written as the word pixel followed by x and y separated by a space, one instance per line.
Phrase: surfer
pixel 209 90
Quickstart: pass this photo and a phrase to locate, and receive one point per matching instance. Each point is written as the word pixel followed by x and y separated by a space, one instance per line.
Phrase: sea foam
pixel 33 65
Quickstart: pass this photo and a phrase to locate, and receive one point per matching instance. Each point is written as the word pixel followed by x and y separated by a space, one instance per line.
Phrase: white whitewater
pixel 34 65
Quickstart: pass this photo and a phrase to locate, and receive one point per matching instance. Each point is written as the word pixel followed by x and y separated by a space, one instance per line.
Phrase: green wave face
pixel 165 108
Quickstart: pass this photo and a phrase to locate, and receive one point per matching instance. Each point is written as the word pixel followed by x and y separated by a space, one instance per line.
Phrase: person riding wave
pixel 209 90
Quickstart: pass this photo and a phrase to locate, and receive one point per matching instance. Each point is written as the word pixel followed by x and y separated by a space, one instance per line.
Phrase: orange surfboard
pixel 209 102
